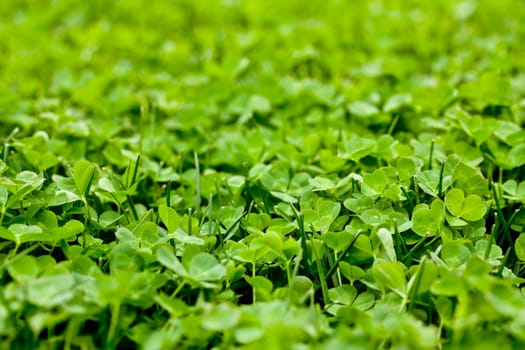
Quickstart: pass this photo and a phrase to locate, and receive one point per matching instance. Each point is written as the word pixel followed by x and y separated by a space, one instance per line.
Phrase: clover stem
pixel 431 155
pixel 115 315
pixel 320 270
pixel 254 297
pixel 178 289
pixel 197 184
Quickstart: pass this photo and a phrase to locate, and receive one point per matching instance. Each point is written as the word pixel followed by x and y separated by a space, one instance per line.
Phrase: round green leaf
pixel 220 317
pixel 166 257
pixel 516 156
pixel 363 109
pixel 455 253
pixel 473 208
pixel 425 220
pixel 396 101
pixel 454 201
pixel 344 294
pixel 519 247
pixel 205 267
pixel 25 268
pixel 391 275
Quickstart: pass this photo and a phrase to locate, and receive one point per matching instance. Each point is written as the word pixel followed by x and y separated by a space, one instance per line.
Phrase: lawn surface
pixel 234 174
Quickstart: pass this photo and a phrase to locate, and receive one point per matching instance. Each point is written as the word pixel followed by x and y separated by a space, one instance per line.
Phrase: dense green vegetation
pixel 262 174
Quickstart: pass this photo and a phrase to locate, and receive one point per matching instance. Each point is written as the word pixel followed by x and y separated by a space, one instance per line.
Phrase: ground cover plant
pixel 262 174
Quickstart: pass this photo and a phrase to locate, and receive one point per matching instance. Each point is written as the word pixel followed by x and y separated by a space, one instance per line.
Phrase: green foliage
pixel 262 174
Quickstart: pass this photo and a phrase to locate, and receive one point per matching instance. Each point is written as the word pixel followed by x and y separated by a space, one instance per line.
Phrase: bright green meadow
pixel 234 174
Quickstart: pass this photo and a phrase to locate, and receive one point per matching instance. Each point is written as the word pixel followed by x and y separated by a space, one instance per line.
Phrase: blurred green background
pixel 46 44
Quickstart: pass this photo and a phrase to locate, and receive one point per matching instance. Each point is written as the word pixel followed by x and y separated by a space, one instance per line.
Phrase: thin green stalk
pixel 415 247
pixel 399 242
pixel 255 190
pixel 7 141
pixel 343 255
pixel 178 289
pixel 208 212
pixel 87 219
pixel 440 185
pixel 509 223
pixel 190 224
pixel 143 219
pixel 2 214
pixel 493 233
pixel 288 272
pixel 132 208
pixel 295 272
pixel 115 316
pixel 410 201
pixel 71 332
pixel 393 124
pixel 498 207
pixel 337 278
pixel 89 183
pixel 197 184
pixel 416 190
pixel 119 207
pixel 229 232
pixel 168 194
pixel 131 182
pixel 503 222
pixel 431 155
pixel 302 234
pixel 504 262
pixel 253 287
pixel 412 292
pixel 320 270
pixel 281 212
